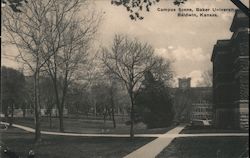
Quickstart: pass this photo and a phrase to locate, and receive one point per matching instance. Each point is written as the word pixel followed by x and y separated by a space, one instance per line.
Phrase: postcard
pixel 124 79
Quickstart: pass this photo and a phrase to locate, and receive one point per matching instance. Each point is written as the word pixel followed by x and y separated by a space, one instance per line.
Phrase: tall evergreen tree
pixel 154 103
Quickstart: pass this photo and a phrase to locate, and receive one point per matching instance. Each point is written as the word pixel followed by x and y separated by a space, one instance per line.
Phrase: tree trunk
pixel 37 126
pixel 113 114
pixel 58 104
pixel 113 118
pixel 6 115
pixel 104 116
pixel 12 114
pixel 132 118
pixel 36 108
pixel 77 111
pixel 50 120
pixel 109 113
pixel 24 113
pixel 95 111
pixel 112 104
pixel 60 110
pixel 61 107
pixel 132 121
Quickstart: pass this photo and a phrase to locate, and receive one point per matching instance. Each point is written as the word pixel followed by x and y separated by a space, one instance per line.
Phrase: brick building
pixel 202 110
pixel 230 76
pixel 187 99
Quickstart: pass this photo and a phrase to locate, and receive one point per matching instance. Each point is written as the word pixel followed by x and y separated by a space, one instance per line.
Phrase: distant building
pixel 231 76
pixel 189 100
pixel 54 112
pixel 202 111
pixel 184 83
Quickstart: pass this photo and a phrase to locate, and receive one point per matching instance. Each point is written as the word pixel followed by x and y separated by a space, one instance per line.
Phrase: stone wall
pixel 231 76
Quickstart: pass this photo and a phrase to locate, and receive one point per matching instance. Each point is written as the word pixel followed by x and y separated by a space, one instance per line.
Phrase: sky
pixel 187 41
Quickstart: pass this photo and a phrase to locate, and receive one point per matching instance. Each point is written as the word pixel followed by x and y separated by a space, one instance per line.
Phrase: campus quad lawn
pixel 205 147
pixel 81 125
pixel 69 147
pixel 200 129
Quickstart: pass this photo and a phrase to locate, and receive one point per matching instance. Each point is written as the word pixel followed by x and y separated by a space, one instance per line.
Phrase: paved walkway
pixel 28 129
pixel 149 150
pixel 153 148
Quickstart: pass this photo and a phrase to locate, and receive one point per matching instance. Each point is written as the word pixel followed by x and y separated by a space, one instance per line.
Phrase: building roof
pixel 240 20
pixel 220 45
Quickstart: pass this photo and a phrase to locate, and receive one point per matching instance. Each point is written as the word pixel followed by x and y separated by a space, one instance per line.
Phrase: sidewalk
pixel 153 148
pixel 28 129
pixel 150 150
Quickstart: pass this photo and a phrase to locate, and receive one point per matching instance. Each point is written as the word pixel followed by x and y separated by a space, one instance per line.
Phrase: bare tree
pixel 26 31
pixel 68 38
pixel 92 74
pixel 47 97
pixel 112 92
pixel 128 60
pixel 162 70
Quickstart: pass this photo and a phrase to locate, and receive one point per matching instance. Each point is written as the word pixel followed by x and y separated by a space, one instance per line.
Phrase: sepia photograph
pixel 124 79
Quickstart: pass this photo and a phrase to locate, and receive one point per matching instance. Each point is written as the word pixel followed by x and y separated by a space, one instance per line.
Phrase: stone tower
pixel 184 83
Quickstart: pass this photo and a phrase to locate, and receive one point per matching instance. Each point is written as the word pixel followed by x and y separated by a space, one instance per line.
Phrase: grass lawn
pixel 69 147
pixel 90 126
pixel 195 130
pixel 205 147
